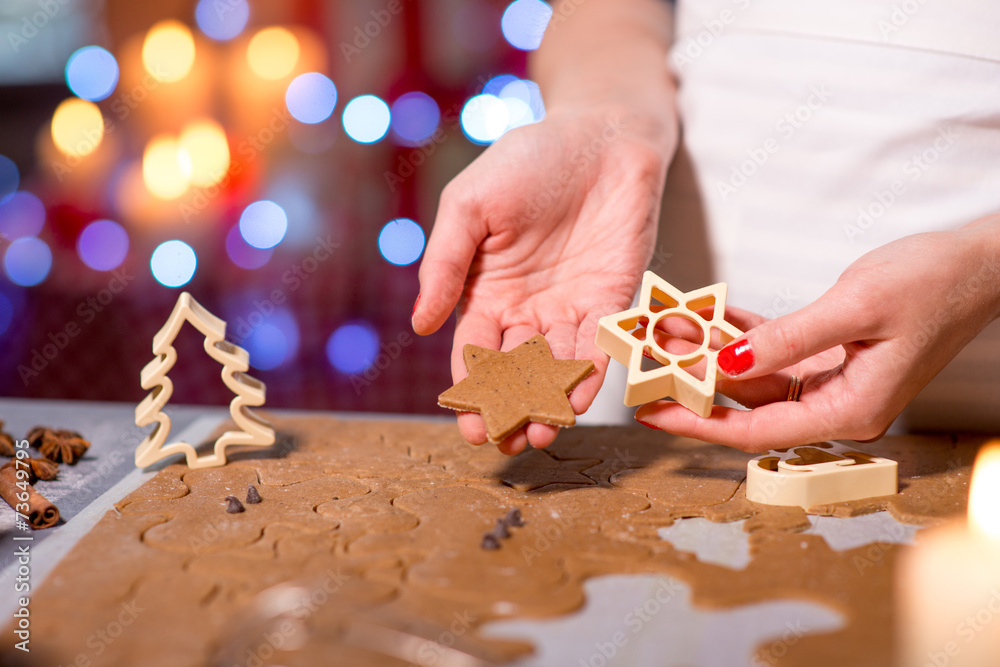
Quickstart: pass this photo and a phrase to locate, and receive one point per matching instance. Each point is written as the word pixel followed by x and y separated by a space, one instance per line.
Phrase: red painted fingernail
pixel 415 304
pixel 648 425
pixel 736 358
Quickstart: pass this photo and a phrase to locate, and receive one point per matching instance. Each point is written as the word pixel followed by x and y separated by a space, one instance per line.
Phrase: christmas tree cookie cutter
pixel 628 336
pixel 819 474
pixel 254 431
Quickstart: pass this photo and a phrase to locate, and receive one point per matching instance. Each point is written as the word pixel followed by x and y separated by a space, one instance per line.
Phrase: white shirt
pixel 818 131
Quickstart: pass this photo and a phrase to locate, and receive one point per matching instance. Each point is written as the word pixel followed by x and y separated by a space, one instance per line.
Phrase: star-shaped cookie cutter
pixel 627 335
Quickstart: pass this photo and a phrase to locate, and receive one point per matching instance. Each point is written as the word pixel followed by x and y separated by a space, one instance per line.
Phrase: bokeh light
pixel 244 255
pixel 367 119
pixel 292 190
pixel 524 22
pixel 311 98
pixel 222 20
pixel 165 168
pixel 415 117
pixel 484 119
pixel 27 261
pixel 168 51
pixel 77 127
pixel 6 313
pixel 173 263
pixel 352 348
pixel 103 245
pixel 272 53
pixel 528 92
pixel 401 242
pixel 496 85
pixel 10 178
pixel 21 214
pixel 263 224
pixel 92 73
pixel 274 342
pixel 204 153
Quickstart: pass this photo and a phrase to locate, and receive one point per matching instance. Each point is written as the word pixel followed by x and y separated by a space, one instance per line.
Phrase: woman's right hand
pixel 546 232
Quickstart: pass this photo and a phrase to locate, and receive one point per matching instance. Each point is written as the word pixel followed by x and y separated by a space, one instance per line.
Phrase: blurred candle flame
pixel 984 492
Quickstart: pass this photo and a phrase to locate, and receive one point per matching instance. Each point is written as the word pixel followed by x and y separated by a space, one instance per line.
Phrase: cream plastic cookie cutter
pixel 819 474
pixel 255 431
pixel 658 300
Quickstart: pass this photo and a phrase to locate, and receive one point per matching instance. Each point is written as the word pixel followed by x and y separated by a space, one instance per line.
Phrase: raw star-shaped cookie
pixel 509 389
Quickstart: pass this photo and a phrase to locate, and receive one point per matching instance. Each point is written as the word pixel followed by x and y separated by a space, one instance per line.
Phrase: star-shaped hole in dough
pixel 631 335
pixel 509 389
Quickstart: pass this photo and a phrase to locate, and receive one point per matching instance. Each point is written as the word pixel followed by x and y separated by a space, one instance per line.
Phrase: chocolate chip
pixel 253 497
pixel 513 518
pixel 490 542
pixel 235 506
pixel 501 530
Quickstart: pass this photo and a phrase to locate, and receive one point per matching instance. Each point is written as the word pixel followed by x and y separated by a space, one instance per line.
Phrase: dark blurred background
pixel 281 161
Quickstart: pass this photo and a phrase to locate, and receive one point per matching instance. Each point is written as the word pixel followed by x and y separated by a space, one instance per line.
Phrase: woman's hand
pixel 546 232
pixel 863 350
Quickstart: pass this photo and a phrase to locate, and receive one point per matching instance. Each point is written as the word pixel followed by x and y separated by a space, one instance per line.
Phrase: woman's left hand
pixel 863 350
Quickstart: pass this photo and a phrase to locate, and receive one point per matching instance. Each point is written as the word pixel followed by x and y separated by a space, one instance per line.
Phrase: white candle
pixel 948 586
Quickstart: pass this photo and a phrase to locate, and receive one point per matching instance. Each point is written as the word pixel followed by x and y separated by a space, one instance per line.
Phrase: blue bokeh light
pixel 27 261
pixel 275 342
pixel 524 22
pixel 401 242
pixel 243 254
pixel 103 245
pixel 263 224
pixel 496 85
pixel 222 20
pixel 10 178
pixel 367 119
pixel 415 117
pixel 92 73
pixel 484 119
pixel 352 348
pixel 173 263
pixel 21 214
pixel 311 98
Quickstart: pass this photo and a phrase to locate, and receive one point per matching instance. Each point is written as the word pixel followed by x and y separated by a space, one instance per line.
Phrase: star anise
pixel 58 445
pixel 6 442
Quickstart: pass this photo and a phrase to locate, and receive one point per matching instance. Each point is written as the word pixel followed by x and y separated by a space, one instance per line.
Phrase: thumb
pixel 454 239
pixel 777 344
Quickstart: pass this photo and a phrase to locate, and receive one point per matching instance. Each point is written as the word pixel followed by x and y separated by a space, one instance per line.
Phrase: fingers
pixel 784 424
pixel 472 329
pixel 457 232
pixel 776 344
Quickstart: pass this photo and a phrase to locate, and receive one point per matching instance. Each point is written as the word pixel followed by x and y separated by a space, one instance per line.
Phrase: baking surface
pixel 369 536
